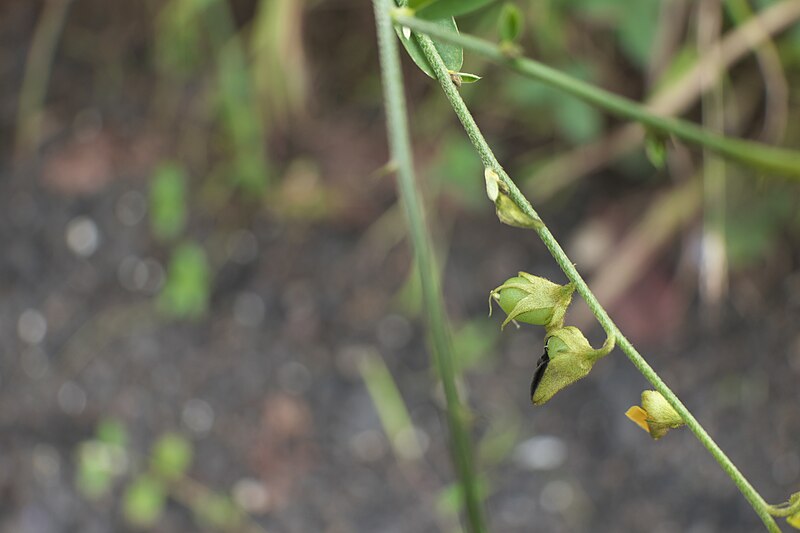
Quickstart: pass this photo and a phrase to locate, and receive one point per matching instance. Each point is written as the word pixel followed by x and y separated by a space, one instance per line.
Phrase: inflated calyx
pixel 533 300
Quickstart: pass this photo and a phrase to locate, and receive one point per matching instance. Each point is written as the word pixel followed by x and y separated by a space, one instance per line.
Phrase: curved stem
pixel 490 161
pixel 758 155
pixel 400 146
pixel 785 509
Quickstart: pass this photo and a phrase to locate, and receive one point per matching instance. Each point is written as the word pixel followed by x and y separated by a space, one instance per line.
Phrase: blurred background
pixel 208 320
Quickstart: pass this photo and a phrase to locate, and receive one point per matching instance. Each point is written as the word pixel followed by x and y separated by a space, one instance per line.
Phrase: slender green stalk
pixel 37 74
pixel 400 147
pixel 757 155
pixel 490 161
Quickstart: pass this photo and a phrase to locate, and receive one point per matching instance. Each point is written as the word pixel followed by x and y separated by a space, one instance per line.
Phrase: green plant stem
pixel 786 509
pixel 757 155
pixel 489 160
pixel 37 74
pixel 400 146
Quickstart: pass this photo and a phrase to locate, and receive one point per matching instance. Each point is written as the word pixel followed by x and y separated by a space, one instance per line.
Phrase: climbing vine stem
pixel 757 155
pixel 489 160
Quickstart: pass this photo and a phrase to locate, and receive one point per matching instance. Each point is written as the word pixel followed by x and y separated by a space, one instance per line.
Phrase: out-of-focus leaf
pixel 457 167
pixel 218 512
pixel 178 49
pixel 754 230
pixel 655 146
pixel 473 343
pixel 510 23
pixel 143 502
pixel 577 121
pixel 168 201
pixel 451 500
pixel 112 432
pixel 95 469
pixel 450 8
pixel 278 63
pixel 185 294
pixel 452 55
pixel 171 456
pixel 499 440
pixel 635 29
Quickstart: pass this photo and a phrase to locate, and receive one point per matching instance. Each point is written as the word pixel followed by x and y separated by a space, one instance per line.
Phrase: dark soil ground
pixel 266 385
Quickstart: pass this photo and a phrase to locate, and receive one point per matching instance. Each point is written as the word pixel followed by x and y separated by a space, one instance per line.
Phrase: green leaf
pixel 143 501
pixel 185 294
pixel 474 342
pixel 577 121
pixel 172 455
pixel 452 55
pixel 655 146
pixel 218 512
pixel 95 473
pixel 635 31
pixel 450 8
pixel 466 77
pixel 451 498
pixel 112 432
pixel 168 201
pixel 510 23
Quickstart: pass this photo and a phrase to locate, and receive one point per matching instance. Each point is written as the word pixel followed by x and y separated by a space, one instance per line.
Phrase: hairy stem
pixel 490 161
pixel 400 147
pixel 757 155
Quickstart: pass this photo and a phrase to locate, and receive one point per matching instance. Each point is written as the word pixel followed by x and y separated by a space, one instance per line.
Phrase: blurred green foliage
pixel 106 460
pixel 168 201
pixel 171 456
pixel 186 292
pixel 143 501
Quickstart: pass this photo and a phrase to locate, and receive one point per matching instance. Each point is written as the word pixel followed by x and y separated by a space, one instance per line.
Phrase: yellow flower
pixel 656 415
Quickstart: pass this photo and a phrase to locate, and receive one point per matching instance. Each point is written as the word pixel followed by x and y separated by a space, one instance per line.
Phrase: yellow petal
pixel 639 416
pixel 794 520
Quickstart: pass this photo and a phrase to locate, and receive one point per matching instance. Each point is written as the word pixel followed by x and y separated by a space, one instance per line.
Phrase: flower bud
pixel 568 357
pixel 533 300
pixel 656 415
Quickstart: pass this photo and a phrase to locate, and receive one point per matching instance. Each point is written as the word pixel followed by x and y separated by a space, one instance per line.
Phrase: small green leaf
pixel 172 455
pixel 452 55
pixel 451 498
pixel 655 146
pixel 112 432
pixel 185 295
pixel 94 474
pixel 635 31
pixel 576 120
pixel 143 501
pixel 473 343
pixel 218 512
pixel 466 77
pixel 450 8
pixel 510 23
pixel 168 201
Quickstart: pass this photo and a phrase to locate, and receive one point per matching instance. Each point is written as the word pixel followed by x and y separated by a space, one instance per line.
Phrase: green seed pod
pixel 568 357
pixel 533 300
pixel 656 415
